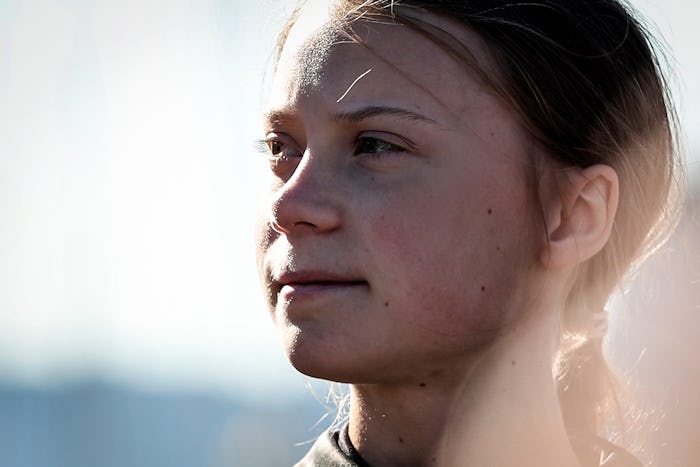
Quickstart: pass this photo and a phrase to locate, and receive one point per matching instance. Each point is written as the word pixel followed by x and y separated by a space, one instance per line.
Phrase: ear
pixel 579 210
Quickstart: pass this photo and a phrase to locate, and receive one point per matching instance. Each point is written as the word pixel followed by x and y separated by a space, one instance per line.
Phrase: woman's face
pixel 401 224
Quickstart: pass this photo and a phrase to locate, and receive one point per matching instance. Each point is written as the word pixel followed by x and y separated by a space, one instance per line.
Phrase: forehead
pixel 380 58
pixel 309 44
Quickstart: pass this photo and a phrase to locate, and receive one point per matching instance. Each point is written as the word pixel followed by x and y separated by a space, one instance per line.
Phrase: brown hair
pixel 584 77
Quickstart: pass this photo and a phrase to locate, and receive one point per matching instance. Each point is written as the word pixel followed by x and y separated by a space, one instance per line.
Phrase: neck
pixel 497 407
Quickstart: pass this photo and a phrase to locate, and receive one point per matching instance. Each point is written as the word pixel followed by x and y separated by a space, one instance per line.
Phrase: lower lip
pixel 307 291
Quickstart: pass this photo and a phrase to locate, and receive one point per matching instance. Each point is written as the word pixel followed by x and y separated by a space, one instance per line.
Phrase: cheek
pixel 264 240
pixel 451 267
pixel 262 229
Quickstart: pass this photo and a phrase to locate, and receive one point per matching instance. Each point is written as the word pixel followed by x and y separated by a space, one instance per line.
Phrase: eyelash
pixel 266 147
pixel 274 148
pixel 386 146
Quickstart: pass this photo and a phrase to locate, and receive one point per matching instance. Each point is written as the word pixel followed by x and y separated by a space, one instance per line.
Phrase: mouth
pixel 294 286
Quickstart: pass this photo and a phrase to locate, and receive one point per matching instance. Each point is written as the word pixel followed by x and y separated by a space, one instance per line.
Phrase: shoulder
pixel 591 450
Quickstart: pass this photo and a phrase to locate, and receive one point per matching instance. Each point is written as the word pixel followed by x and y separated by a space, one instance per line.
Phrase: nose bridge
pixel 305 201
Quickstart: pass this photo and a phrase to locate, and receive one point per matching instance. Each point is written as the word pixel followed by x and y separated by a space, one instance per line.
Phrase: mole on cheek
pixel 386 304
pixel 483 288
pixel 490 211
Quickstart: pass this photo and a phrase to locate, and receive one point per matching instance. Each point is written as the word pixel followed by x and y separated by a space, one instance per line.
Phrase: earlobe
pixel 579 215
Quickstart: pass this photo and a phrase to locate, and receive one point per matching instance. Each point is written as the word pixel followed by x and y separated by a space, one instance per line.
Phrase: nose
pixel 307 202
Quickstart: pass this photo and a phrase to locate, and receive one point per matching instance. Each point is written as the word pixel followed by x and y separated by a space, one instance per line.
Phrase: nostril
pixel 284 222
pixel 303 223
pixel 276 227
pixel 277 222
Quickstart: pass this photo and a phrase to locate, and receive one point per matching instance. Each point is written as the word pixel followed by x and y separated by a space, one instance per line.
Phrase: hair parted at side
pixel 585 78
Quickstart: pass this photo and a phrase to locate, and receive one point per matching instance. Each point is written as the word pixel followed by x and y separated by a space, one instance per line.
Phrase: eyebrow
pixel 358 115
pixel 380 111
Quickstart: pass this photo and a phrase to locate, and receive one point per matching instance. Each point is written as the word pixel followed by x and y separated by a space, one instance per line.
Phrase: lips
pixel 294 286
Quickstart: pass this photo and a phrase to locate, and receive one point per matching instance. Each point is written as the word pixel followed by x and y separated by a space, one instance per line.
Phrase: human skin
pixel 431 226
pixel 404 249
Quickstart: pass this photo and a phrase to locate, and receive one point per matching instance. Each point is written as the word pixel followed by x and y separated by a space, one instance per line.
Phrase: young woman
pixel 456 189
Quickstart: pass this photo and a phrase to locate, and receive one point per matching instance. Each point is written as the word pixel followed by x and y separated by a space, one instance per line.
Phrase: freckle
pixel 489 211
pixel 498 248
pixel 512 362
pixel 422 385
pixel 400 440
pixel 386 304
pixel 483 288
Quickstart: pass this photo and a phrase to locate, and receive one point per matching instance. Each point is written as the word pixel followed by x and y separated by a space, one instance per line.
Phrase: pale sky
pixel 129 185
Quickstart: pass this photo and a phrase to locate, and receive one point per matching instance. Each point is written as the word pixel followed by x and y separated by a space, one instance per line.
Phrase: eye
pixel 280 151
pixel 374 146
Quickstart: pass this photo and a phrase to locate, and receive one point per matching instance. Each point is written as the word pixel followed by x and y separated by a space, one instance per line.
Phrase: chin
pixel 319 359
pixel 319 370
pixel 316 363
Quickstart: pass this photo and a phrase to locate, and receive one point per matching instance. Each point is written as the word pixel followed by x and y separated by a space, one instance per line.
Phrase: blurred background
pixel 132 329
